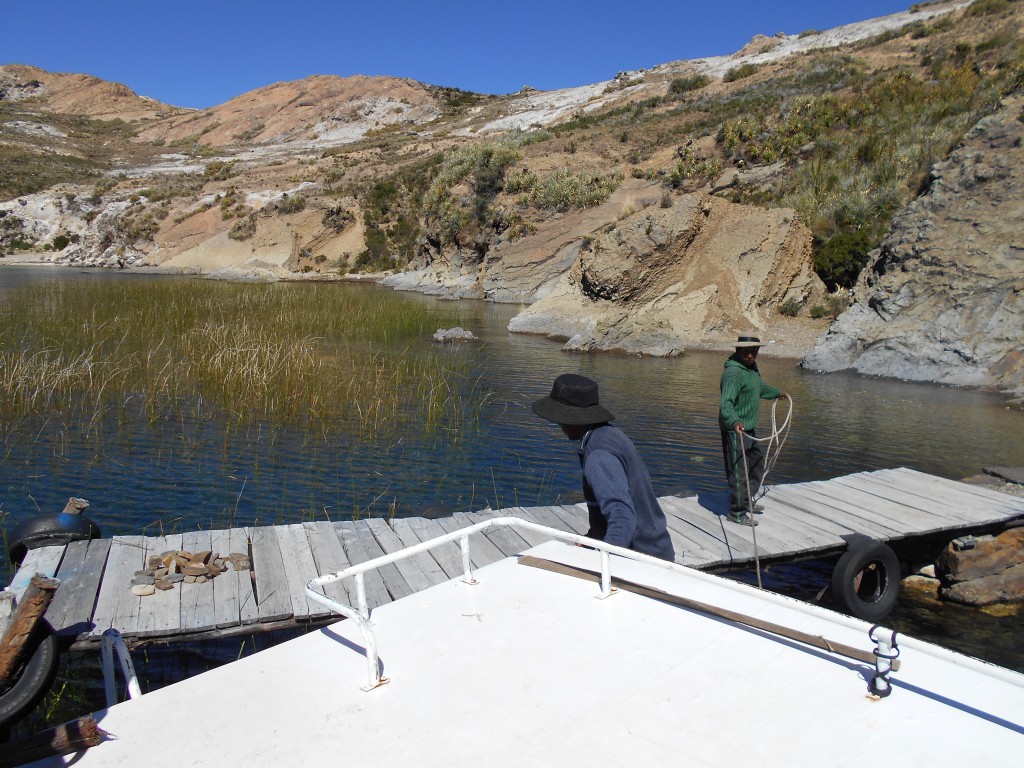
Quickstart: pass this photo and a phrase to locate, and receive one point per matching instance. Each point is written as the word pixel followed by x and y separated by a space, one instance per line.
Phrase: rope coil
pixel 774 442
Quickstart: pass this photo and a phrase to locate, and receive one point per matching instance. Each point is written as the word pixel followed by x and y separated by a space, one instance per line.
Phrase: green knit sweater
pixel 742 392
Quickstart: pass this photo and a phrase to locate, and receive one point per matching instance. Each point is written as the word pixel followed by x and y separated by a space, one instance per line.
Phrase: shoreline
pixel 788 339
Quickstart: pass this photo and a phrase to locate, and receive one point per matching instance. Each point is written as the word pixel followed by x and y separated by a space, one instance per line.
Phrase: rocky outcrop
pixel 527 268
pixel 665 276
pixel 943 298
pixel 983 570
pixel 642 274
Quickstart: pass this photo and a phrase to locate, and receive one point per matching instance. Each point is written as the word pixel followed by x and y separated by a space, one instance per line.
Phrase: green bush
pixel 818 311
pixel 219 170
pixel 987 7
pixel 740 72
pixel 376 257
pixel 291 203
pixel 692 166
pixel 790 308
pixel 840 259
pixel 337 218
pixel 243 229
pixel 683 85
pixel 566 189
pixel 103 186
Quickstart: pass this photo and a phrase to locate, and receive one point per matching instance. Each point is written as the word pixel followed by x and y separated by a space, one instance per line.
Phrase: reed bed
pixel 356 361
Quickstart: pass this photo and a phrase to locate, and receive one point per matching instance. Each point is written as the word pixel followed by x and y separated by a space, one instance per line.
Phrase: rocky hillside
pixel 943 298
pixel 658 210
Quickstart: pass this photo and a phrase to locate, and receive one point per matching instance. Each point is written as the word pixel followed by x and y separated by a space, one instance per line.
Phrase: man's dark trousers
pixel 733 447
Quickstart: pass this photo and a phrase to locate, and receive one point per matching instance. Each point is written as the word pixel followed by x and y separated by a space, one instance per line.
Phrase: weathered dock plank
pixel 410 571
pixel 116 606
pixel 960 498
pixel 43 561
pixel 80 571
pixel 330 557
pixel 272 600
pixel 448 556
pixel 376 590
pixel 395 582
pixel 299 568
pixel 481 551
pixel 840 507
pixel 532 538
pixel 160 613
pixel 197 610
pixel 508 541
pixel 801 520
pixel 544 516
pixel 425 560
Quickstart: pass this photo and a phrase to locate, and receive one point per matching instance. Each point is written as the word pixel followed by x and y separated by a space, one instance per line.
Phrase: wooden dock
pixel 801 521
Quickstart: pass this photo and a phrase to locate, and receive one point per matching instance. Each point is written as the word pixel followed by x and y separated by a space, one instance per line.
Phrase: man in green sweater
pixel 742 391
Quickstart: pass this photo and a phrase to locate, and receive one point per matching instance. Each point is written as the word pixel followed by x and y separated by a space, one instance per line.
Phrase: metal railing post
pixel 467 568
pixel 111 642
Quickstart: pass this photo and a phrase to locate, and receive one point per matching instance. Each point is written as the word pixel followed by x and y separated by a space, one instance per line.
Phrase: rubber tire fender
pixel 878 589
pixel 49 529
pixel 35 678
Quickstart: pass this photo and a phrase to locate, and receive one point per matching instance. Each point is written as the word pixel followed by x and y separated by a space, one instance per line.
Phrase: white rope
pixel 777 438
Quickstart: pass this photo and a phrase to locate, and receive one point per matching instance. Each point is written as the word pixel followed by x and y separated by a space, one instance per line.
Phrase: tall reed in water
pixel 349 360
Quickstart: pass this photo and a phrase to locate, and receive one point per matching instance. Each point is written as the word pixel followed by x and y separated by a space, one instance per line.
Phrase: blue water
pixel 190 471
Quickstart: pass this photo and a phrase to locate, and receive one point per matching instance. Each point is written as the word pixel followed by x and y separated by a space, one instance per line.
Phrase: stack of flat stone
pixel 165 570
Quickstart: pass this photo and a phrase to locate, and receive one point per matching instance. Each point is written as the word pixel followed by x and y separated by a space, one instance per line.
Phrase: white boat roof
pixel 529 667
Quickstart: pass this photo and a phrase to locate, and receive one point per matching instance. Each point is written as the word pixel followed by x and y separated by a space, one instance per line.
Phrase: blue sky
pixel 199 54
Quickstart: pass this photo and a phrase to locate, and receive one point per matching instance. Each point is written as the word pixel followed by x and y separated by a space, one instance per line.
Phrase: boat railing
pixel 885 640
pixel 360 613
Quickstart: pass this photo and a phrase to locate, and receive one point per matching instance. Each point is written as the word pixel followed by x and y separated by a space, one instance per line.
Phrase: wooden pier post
pixel 29 612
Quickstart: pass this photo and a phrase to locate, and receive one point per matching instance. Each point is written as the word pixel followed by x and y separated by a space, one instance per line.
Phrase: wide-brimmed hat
pixel 743 342
pixel 573 400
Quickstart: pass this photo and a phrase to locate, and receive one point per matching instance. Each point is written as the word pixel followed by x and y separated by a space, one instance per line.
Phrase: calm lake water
pixel 180 475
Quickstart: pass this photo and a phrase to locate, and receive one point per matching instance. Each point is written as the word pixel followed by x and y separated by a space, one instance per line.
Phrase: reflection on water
pixel 184 473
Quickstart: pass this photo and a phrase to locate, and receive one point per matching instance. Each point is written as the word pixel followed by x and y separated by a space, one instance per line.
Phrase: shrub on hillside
pixel 790 308
pixel 740 72
pixel 840 260
pixel 566 189
pixel 683 85
pixel 291 203
pixel 244 228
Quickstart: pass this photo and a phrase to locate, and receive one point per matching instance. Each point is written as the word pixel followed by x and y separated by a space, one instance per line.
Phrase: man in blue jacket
pixel 742 391
pixel 623 507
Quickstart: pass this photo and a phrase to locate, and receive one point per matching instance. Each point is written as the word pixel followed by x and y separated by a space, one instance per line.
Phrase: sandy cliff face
pixel 943 298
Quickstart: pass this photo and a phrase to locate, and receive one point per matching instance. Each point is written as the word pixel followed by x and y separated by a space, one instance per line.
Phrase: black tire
pixel 33 681
pixel 435 511
pixel 866 580
pixel 47 530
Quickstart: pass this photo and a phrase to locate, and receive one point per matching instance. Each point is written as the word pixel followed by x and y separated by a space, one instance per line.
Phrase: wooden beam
pixel 30 610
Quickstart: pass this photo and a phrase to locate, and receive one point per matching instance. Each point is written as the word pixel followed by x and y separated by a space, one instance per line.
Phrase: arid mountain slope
pixel 658 210
pixel 75 94
pixel 325 109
